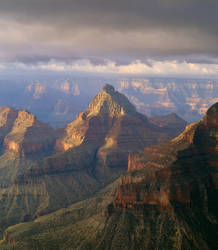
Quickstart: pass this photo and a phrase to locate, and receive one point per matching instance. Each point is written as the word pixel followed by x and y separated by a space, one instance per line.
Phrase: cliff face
pixel 23 141
pixel 22 134
pixel 7 118
pixel 173 187
pixel 54 101
pixel 188 98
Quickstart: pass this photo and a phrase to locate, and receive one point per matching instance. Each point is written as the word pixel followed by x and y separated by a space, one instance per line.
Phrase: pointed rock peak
pixel 110 102
pixel 109 89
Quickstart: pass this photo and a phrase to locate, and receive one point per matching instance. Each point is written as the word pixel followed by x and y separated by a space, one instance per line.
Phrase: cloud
pixel 121 30
pixel 152 68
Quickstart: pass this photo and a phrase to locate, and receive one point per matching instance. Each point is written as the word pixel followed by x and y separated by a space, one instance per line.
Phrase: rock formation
pixel 22 134
pixel 90 153
pixel 173 187
pixel 166 200
pixel 189 98
pixel 113 127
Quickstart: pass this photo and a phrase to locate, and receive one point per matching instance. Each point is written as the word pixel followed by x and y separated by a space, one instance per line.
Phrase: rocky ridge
pixel 174 185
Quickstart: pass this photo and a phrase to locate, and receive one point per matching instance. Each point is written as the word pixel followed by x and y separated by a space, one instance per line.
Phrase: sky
pixel 136 37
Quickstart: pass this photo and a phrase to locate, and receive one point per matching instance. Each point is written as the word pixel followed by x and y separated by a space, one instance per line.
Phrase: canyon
pixel 43 169
pixel 112 178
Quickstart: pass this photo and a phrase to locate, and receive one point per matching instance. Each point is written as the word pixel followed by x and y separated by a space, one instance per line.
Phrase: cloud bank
pixel 152 68
pixel 123 32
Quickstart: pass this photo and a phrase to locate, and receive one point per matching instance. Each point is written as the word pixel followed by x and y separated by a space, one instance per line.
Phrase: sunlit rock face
pixel 110 102
pixel 110 121
pixel 7 118
pixel 22 134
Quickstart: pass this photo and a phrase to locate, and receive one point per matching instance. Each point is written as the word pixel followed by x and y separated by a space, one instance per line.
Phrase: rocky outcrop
pixel 211 118
pixel 188 134
pixel 22 134
pixel 176 184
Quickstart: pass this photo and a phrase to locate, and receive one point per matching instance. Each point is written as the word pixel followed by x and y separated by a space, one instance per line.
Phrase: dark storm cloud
pixel 116 13
pixel 120 30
